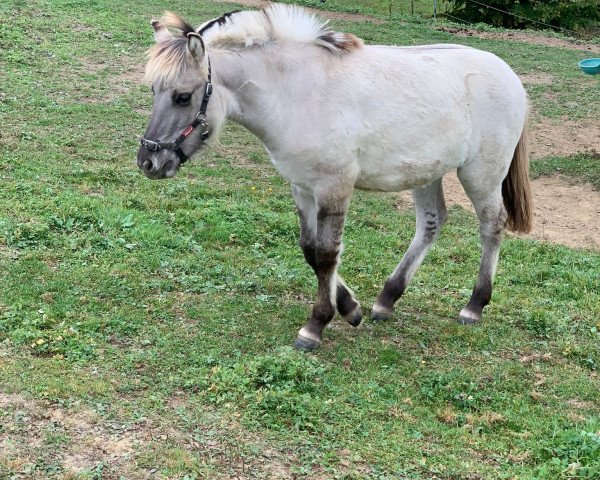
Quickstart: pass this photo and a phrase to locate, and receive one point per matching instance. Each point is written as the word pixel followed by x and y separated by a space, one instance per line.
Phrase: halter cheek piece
pixel 200 119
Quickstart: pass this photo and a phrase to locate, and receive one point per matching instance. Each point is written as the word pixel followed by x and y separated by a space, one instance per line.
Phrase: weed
pixel 571 454
pixel 455 387
pixel 275 391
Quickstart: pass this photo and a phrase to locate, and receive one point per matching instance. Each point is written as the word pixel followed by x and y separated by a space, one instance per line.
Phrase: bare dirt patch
pixel 125 74
pixel 350 17
pixel 580 404
pixel 564 214
pixel 561 137
pixel 537 79
pixel 37 436
pixel 122 75
pixel 525 37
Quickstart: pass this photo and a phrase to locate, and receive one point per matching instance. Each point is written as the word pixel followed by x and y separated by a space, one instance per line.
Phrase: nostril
pixel 147 166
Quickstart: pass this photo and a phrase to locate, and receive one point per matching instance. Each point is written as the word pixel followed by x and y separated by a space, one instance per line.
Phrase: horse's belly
pixel 406 167
pixel 389 183
pixel 401 179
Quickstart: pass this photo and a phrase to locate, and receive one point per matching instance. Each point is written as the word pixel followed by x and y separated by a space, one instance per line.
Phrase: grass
pixel 157 314
pixel 584 167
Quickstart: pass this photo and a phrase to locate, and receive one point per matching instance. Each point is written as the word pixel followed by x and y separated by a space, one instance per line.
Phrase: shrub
pixel 569 14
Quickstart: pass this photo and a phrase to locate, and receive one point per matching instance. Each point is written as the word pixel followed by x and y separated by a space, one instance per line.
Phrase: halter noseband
pixel 200 119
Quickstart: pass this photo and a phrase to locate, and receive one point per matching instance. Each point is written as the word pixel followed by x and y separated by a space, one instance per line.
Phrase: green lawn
pixel 578 167
pixel 159 314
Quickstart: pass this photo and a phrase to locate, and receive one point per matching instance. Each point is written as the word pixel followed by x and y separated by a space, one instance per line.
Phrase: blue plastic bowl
pixel 591 66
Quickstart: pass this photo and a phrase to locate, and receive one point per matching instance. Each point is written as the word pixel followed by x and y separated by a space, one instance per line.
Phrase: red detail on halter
pixel 187 131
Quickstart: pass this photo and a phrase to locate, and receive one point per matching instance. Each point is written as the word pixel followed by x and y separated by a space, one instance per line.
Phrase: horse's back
pixel 441 70
pixel 433 108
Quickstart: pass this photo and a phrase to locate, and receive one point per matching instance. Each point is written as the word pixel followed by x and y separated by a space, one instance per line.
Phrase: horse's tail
pixel 516 189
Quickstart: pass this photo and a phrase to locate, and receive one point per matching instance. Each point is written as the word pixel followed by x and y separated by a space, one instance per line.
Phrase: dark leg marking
pixel 393 288
pixel 327 247
pixel 344 302
pixel 309 337
pixel 492 222
pixel 481 296
pixel 321 228
pixel 431 215
pixel 346 305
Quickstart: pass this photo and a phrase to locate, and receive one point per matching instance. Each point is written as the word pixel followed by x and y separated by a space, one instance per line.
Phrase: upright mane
pixel 245 29
pixel 277 22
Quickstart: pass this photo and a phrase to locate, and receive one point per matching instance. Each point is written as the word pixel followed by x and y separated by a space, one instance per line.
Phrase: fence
pixel 426 8
pixel 435 8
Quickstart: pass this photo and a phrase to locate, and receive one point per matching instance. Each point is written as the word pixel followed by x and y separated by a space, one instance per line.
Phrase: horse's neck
pixel 265 89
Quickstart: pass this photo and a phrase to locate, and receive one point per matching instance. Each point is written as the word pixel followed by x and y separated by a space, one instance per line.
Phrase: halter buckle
pixel 150 145
pixel 201 119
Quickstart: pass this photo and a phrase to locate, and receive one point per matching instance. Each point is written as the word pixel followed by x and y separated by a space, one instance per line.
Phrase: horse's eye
pixel 183 98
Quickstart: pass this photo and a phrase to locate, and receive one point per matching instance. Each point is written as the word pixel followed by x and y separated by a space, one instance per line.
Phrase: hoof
pixel 379 314
pixel 355 317
pixel 306 344
pixel 466 317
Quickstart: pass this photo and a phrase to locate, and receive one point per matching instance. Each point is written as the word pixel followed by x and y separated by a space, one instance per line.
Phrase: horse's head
pixel 179 70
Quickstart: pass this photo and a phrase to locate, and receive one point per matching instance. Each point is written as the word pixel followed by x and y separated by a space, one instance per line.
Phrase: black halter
pixel 200 119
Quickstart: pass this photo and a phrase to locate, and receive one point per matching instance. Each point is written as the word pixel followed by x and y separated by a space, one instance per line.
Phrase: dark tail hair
pixel 516 189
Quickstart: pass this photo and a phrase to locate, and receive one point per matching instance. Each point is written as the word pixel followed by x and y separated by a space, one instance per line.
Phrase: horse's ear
pixel 161 34
pixel 195 45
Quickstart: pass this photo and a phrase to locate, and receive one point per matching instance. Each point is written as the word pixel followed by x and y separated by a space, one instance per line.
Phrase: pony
pixel 335 114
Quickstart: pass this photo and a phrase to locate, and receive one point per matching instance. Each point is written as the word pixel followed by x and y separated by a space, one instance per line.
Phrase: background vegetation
pixel 154 317
pixel 577 17
pixel 567 14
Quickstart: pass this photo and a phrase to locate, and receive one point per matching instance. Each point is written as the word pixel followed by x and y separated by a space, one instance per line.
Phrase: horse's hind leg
pixel 315 245
pixel 431 215
pixel 488 204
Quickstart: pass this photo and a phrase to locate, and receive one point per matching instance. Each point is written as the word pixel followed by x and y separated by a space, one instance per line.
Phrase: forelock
pixel 168 58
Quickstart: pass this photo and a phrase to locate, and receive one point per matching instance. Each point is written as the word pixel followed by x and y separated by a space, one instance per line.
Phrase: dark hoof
pixel 379 314
pixel 354 318
pixel 306 344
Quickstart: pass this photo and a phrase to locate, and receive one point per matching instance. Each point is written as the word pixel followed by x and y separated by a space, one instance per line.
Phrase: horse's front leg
pixel 347 306
pixel 321 227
